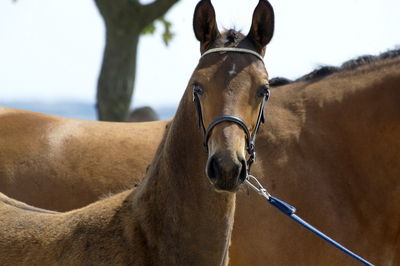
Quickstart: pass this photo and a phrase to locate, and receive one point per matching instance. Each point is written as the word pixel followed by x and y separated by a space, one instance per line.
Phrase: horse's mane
pixel 232 37
pixel 325 71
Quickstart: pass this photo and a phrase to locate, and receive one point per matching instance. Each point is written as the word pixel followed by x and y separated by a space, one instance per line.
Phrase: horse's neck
pixel 183 218
pixel 361 119
pixel 333 146
pixel 356 122
pixel 348 129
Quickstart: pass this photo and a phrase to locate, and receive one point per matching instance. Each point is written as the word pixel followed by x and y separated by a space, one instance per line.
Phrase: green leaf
pixel 167 35
pixel 149 29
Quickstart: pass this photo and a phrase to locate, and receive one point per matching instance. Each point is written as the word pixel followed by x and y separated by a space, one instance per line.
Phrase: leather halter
pixel 250 137
pixel 232 49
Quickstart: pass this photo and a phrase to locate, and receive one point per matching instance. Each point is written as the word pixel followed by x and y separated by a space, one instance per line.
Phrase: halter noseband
pixel 250 138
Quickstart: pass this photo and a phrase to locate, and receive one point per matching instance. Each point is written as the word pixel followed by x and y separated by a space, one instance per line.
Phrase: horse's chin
pixel 226 171
pixel 227 184
pixel 232 189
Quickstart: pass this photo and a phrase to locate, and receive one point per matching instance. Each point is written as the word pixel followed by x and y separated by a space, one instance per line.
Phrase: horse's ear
pixel 262 26
pixel 204 24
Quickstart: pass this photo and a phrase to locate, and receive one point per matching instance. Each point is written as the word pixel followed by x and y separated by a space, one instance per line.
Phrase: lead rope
pixel 289 210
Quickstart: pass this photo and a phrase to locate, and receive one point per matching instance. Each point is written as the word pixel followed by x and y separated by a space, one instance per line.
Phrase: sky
pixel 51 50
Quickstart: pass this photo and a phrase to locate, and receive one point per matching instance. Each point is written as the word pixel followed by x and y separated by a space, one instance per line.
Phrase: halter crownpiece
pixel 233 49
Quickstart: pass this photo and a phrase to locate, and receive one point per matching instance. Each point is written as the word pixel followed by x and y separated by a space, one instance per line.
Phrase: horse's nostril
pixel 226 173
pixel 212 168
pixel 243 171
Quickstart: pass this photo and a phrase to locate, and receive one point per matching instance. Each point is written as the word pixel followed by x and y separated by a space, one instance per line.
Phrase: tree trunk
pixel 116 81
pixel 124 22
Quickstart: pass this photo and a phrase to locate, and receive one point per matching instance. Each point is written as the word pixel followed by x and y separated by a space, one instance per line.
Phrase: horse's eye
pixel 263 91
pixel 197 89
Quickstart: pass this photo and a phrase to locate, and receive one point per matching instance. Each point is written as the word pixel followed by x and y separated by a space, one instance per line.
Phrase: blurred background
pixel 51 51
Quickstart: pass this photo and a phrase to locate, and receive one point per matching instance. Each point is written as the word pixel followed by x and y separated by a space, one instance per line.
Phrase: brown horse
pixel 176 216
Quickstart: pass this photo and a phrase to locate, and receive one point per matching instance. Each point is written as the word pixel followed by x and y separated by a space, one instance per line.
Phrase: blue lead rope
pixel 289 210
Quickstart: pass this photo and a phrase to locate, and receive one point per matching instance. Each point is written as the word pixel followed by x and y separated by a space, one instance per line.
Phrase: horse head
pixel 230 87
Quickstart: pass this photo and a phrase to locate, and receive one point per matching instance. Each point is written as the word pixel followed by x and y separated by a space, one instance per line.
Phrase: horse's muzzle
pixel 226 171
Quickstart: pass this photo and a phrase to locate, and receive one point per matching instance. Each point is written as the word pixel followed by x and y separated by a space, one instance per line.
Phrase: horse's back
pixel 44 158
pixel 34 236
pixel 7 202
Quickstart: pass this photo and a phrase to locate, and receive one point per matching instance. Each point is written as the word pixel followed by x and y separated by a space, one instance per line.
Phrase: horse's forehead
pixel 227 69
